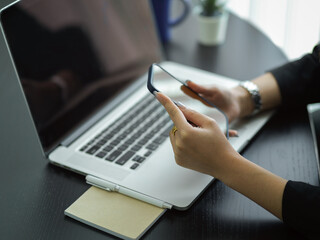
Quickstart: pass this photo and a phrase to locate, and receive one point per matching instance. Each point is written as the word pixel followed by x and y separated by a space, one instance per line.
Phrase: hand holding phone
pixel 160 80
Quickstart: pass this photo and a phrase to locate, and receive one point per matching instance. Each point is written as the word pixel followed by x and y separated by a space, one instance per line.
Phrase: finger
pixel 193 95
pixel 173 144
pixel 233 133
pixel 195 117
pixel 172 140
pixel 174 112
pixel 198 88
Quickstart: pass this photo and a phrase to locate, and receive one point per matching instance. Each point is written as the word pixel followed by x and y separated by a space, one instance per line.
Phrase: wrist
pixel 244 100
pixel 226 170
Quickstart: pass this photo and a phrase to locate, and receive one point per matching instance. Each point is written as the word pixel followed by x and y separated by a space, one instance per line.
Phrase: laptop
pixel 78 74
pixel 314 119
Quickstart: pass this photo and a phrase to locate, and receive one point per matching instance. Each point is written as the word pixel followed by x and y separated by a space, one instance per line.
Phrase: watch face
pixel 255 94
pixel 251 86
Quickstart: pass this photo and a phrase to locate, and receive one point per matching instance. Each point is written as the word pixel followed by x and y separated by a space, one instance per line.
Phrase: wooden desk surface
pixel 34 193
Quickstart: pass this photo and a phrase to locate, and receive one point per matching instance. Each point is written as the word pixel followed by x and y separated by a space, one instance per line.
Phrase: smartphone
pixel 160 80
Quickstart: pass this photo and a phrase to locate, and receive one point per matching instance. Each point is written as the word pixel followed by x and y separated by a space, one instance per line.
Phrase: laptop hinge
pixel 112 187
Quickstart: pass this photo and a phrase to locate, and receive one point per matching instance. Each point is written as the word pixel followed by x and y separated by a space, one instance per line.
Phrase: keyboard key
pixel 91 142
pixel 136 135
pixel 154 131
pixel 108 148
pixel 114 131
pixel 134 126
pixel 105 138
pixel 101 142
pixel 101 154
pixel 134 166
pixel 113 155
pixel 141 131
pixel 159 115
pixel 142 119
pixel 121 137
pixel 129 141
pixel 148 136
pixel 105 130
pixel 108 136
pixel 141 159
pixel 97 137
pixel 138 159
pixel 161 124
pixel 115 142
pixel 136 147
pixel 83 148
pixel 121 126
pixel 123 147
pixel 122 160
pixel 159 140
pixel 127 132
pixel 143 141
pixel 147 154
pixel 93 150
pixel 152 147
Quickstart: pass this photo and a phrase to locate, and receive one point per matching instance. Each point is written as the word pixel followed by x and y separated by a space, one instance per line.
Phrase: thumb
pixel 198 88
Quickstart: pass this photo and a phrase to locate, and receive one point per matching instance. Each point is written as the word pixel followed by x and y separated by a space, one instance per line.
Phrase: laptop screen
pixel 73 56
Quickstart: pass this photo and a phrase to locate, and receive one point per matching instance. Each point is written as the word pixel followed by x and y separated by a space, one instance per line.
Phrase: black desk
pixel 34 196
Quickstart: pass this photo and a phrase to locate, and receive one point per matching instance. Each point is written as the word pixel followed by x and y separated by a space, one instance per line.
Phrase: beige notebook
pixel 114 213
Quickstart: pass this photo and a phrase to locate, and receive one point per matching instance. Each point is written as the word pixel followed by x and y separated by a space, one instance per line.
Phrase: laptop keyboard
pixel 134 136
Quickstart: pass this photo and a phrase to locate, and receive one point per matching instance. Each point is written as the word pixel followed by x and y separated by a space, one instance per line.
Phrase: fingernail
pixel 180 105
pixel 187 81
pixel 233 133
pixel 155 93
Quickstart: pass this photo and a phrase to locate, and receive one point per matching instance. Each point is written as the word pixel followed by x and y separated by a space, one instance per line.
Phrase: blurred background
pixel 293 25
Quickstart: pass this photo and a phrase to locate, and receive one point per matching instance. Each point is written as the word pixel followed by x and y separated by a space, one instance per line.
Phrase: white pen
pixel 112 187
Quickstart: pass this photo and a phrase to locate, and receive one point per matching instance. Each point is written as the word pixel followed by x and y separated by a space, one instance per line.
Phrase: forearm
pixel 269 92
pixel 299 80
pixel 293 84
pixel 256 183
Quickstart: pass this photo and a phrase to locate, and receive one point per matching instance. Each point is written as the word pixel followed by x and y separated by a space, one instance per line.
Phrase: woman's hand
pixel 204 148
pixel 228 100
pixel 237 102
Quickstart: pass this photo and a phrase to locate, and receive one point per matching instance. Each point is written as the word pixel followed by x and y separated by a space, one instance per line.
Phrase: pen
pixel 111 187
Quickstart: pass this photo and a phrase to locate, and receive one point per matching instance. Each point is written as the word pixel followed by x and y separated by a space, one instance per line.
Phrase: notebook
pixel 114 213
pixel 81 70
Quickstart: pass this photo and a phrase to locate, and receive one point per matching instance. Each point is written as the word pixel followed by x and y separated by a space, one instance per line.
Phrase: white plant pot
pixel 212 30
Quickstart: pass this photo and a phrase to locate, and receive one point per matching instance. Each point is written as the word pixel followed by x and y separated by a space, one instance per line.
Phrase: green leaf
pixel 210 7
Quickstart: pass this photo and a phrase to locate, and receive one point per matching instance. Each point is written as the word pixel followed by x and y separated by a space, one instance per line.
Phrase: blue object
pixel 161 10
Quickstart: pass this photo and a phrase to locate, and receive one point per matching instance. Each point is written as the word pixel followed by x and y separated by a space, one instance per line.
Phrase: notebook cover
pixel 114 213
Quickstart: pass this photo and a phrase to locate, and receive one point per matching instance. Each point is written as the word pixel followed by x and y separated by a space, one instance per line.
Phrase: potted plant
pixel 212 21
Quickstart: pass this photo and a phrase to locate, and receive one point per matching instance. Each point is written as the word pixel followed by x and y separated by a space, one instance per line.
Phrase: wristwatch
pixel 253 89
